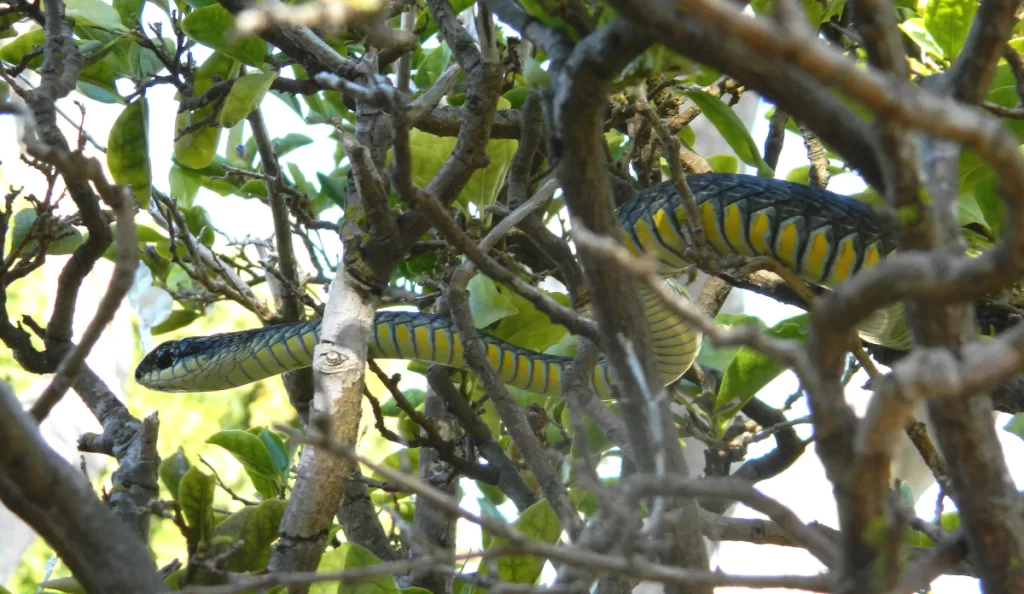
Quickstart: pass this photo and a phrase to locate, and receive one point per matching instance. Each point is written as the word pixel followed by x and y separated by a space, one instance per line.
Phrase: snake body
pixel 823 237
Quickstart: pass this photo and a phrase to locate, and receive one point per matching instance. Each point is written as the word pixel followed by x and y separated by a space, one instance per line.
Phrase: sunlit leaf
pixel 415 396
pixel 213 26
pixel 349 556
pixel 537 522
pixel 128 150
pixel 95 13
pixel 279 452
pixel 724 163
pixel 195 496
pixel 178 319
pixel 731 128
pixel 404 460
pixel 245 96
pixel 483 187
pixel 67 584
pixel 720 358
pixel 919 33
pixel 172 468
pixel 185 184
pixel 254 528
pixel 66 243
pixel 486 304
pixel 197 147
pixel 530 328
pixel 15 51
pixel 751 370
pixel 129 11
pixel 949 21
pixel 517 96
pixel 429 153
pixel 254 457
pixel 431 66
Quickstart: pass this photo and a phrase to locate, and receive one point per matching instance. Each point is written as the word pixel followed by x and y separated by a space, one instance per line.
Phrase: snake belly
pixel 825 238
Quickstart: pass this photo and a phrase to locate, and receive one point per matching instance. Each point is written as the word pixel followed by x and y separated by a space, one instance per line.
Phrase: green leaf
pixel 199 224
pixel 178 319
pixel 969 212
pixel 254 456
pixel 245 96
pixel 720 358
pixel 256 526
pixel 347 557
pixel 144 62
pixel 687 136
pixel 66 584
pixel 517 96
pixel 128 150
pixel 990 202
pixel 197 148
pixel 492 495
pixel 537 522
pixel 431 66
pixel 335 188
pixel 21 226
pixel 530 328
pixel 535 75
pixel 486 304
pixel 724 163
pixel 732 130
pixel 1016 425
pixel 95 13
pixel 415 396
pixel 751 370
pixel 278 450
pixel 7 31
pixel 290 142
pixel 130 11
pixel 290 100
pixel 185 184
pixel 920 35
pixel 429 153
pixel 212 26
pixel 482 188
pixel 404 460
pixel 195 496
pixel 16 50
pixel 949 21
pixel 68 241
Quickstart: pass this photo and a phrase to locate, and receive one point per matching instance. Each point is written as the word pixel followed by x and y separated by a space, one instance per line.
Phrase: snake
pixel 823 237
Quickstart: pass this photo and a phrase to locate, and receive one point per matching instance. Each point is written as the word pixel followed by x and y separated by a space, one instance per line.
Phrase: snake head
pixel 157 368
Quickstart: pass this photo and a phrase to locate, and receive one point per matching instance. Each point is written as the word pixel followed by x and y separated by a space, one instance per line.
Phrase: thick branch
pixel 57 501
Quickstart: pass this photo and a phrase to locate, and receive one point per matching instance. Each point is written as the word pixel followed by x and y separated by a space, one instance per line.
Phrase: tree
pixel 464 139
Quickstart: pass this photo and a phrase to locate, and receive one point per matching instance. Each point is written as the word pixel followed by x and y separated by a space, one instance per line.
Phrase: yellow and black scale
pixel 825 238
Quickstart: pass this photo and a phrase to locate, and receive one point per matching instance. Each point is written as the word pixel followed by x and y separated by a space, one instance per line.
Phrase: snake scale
pixel 823 237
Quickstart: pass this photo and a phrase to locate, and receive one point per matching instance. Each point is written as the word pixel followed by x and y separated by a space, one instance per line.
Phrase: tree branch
pixel 57 501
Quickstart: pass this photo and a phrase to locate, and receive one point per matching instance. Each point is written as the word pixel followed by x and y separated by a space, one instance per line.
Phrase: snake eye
pixel 163 357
